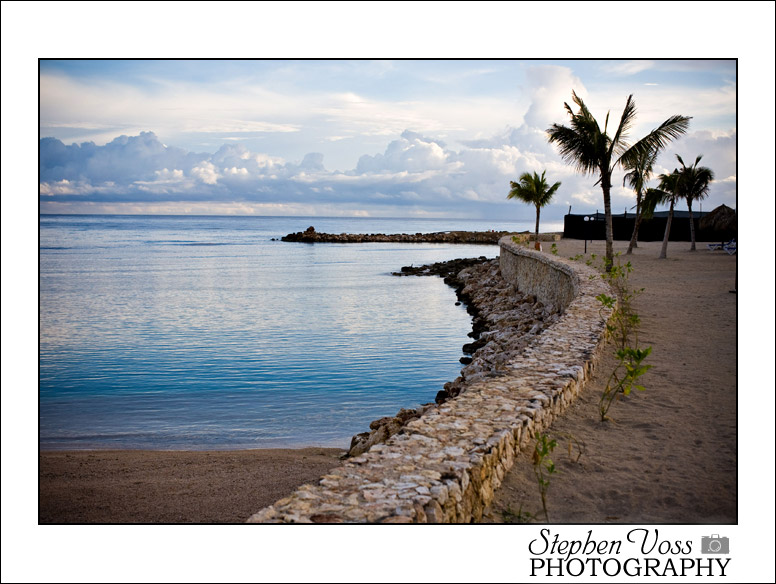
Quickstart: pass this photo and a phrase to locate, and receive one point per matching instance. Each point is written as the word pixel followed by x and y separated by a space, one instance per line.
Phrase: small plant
pixel 632 360
pixel 554 249
pixel 521 516
pixel 572 442
pixel 521 240
pixel 623 319
pixel 544 467
pixel 621 329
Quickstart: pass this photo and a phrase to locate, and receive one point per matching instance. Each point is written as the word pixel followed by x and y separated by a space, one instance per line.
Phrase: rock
pixel 397 519
pixel 381 430
pixel 406 415
pixel 358 439
pixel 326 518
pixel 466 237
pixel 381 422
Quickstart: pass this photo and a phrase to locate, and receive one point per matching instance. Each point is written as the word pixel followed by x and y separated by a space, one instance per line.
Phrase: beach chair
pixel 730 247
pixel 720 246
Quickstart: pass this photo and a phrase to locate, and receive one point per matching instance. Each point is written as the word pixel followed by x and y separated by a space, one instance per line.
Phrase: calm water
pixel 202 333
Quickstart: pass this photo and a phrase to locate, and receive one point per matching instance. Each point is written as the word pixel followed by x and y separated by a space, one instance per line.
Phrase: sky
pixel 352 137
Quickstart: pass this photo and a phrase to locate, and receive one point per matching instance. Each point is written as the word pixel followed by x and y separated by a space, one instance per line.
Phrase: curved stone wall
pixel 555 283
pixel 446 465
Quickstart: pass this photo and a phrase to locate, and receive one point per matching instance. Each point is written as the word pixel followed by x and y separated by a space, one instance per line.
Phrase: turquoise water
pixel 203 333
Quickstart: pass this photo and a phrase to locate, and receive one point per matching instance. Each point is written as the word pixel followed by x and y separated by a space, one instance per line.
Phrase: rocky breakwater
pixel 504 322
pixel 310 235
pixel 445 465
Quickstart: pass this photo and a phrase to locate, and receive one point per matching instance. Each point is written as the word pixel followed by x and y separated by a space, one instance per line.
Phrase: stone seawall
pixel 445 465
pixel 554 283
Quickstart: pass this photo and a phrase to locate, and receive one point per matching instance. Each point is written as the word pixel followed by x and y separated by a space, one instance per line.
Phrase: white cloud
pixel 629 67
pixel 411 153
pixel 551 86
pixel 206 172
pixel 431 163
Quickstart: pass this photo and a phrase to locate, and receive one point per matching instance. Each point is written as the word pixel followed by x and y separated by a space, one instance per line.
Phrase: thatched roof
pixel 723 218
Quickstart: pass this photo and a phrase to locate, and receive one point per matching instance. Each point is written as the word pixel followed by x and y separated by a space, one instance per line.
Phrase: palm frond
pixel 575 147
pixel 628 114
pixel 640 170
pixel 653 198
pixel 657 139
pixel 533 189
pixel 695 181
pixel 669 184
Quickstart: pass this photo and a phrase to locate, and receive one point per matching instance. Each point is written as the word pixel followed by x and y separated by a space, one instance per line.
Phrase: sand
pixel 146 486
pixel 669 456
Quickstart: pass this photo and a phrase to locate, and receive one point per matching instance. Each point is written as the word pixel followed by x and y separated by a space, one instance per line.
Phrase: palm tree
pixel 593 151
pixel 534 190
pixel 668 191
pixel 638 177
pixel 695 182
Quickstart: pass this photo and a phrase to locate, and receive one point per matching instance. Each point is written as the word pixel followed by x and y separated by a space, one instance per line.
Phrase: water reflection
pixel 146 343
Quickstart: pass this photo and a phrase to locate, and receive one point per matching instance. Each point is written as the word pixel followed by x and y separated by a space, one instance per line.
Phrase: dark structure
pixel 575 227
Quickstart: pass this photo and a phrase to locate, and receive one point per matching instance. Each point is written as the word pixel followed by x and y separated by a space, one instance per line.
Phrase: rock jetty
pixel 310 235
pixel 504 322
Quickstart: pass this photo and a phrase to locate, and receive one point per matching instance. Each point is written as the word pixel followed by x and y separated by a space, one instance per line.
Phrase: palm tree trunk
pixel 635 237
pixel 606 186
pixel 692 227
pixel 537 223
pixel 663 250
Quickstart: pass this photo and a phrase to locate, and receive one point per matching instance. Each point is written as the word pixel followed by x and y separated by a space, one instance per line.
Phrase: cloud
pixel 551 86
pixel 410 153
pixel 419 171
pixel 629 67
pixel 207 173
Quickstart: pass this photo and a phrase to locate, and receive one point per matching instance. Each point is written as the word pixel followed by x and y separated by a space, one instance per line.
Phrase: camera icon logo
pixel 715 544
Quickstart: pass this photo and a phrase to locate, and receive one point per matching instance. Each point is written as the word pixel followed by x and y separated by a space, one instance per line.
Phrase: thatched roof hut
pixel 723 218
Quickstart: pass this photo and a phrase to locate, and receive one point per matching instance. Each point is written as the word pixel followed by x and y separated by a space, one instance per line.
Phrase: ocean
pixel 202 333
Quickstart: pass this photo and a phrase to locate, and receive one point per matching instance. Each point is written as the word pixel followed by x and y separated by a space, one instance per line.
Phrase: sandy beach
pixel 146 486
pixel 669 456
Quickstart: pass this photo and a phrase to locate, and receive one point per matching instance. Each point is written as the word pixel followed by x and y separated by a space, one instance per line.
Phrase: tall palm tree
pixel 638 177
pixel 593 151
pixel 695 182
pixel 669 192
pixel 533 189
